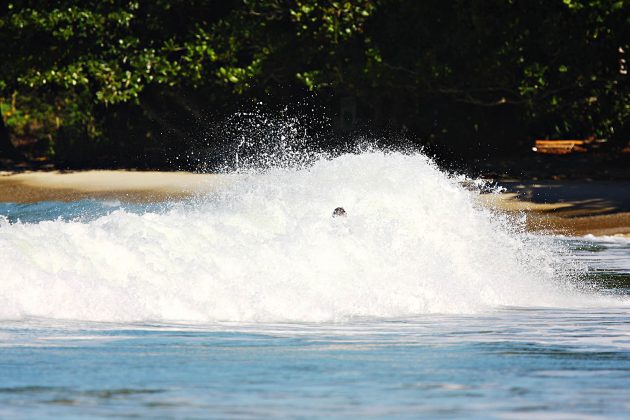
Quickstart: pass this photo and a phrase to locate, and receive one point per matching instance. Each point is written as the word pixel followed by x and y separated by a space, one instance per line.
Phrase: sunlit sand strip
pixel 510 202
pixel 617 224
pixel 558 218
pixel 122 185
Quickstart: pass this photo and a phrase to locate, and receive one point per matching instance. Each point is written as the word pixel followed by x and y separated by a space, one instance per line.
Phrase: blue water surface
pixel 520 363
pixel 82 210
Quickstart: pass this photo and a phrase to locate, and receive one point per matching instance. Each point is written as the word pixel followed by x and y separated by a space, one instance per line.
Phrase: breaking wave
pixel 264 247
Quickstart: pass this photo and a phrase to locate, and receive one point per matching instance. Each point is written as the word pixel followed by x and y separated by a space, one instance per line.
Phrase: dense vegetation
pixel 105 82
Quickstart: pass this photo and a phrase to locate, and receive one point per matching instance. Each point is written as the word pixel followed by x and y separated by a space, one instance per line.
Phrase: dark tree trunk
pixel 7 149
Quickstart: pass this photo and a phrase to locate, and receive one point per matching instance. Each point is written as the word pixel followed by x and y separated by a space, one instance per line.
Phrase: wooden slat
pixel 560 147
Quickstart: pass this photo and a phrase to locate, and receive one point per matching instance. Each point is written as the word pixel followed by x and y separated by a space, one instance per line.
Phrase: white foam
pixel 616 239
pixel 265 248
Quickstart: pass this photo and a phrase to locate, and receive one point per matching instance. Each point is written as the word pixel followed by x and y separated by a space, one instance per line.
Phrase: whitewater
pixel 263 247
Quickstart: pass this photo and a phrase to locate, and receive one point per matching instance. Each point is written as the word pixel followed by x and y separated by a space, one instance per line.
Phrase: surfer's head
pixel 339 212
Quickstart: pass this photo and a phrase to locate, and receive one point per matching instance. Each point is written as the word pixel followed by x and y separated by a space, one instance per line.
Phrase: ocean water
pixel 252 301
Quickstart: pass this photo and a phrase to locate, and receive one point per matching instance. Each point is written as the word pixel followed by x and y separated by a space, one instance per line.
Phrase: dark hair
pixel 339 211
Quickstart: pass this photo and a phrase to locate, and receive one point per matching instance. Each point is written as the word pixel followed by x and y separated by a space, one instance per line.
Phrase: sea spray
pixel 264 247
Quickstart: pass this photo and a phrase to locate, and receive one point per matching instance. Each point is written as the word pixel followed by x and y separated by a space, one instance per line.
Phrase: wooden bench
pixel 560 147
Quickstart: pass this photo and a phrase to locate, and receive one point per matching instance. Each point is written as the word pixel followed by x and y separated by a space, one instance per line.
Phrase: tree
pixel 97 54
pixel 6 147
pixel 459 74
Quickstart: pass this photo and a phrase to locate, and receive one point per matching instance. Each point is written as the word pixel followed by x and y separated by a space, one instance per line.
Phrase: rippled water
pixel 254 302
pixel 510 362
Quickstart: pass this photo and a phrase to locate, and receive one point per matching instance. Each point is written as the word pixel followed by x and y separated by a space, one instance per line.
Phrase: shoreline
pixel 557 219
pixel 124 185
pixel 573 208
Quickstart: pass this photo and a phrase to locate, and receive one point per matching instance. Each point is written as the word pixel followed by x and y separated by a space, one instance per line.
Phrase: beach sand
pixel 556 218
pixel 563 207
pixel 129 186
pixel 599 208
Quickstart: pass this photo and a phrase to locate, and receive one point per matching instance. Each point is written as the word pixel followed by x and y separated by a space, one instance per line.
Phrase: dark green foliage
pixel 124 79
pixel 6 147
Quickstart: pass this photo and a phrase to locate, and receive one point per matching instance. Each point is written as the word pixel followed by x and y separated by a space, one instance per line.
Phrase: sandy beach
pixel 130 186
pixel 599 208
pixel 556 217
pixel 564 207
